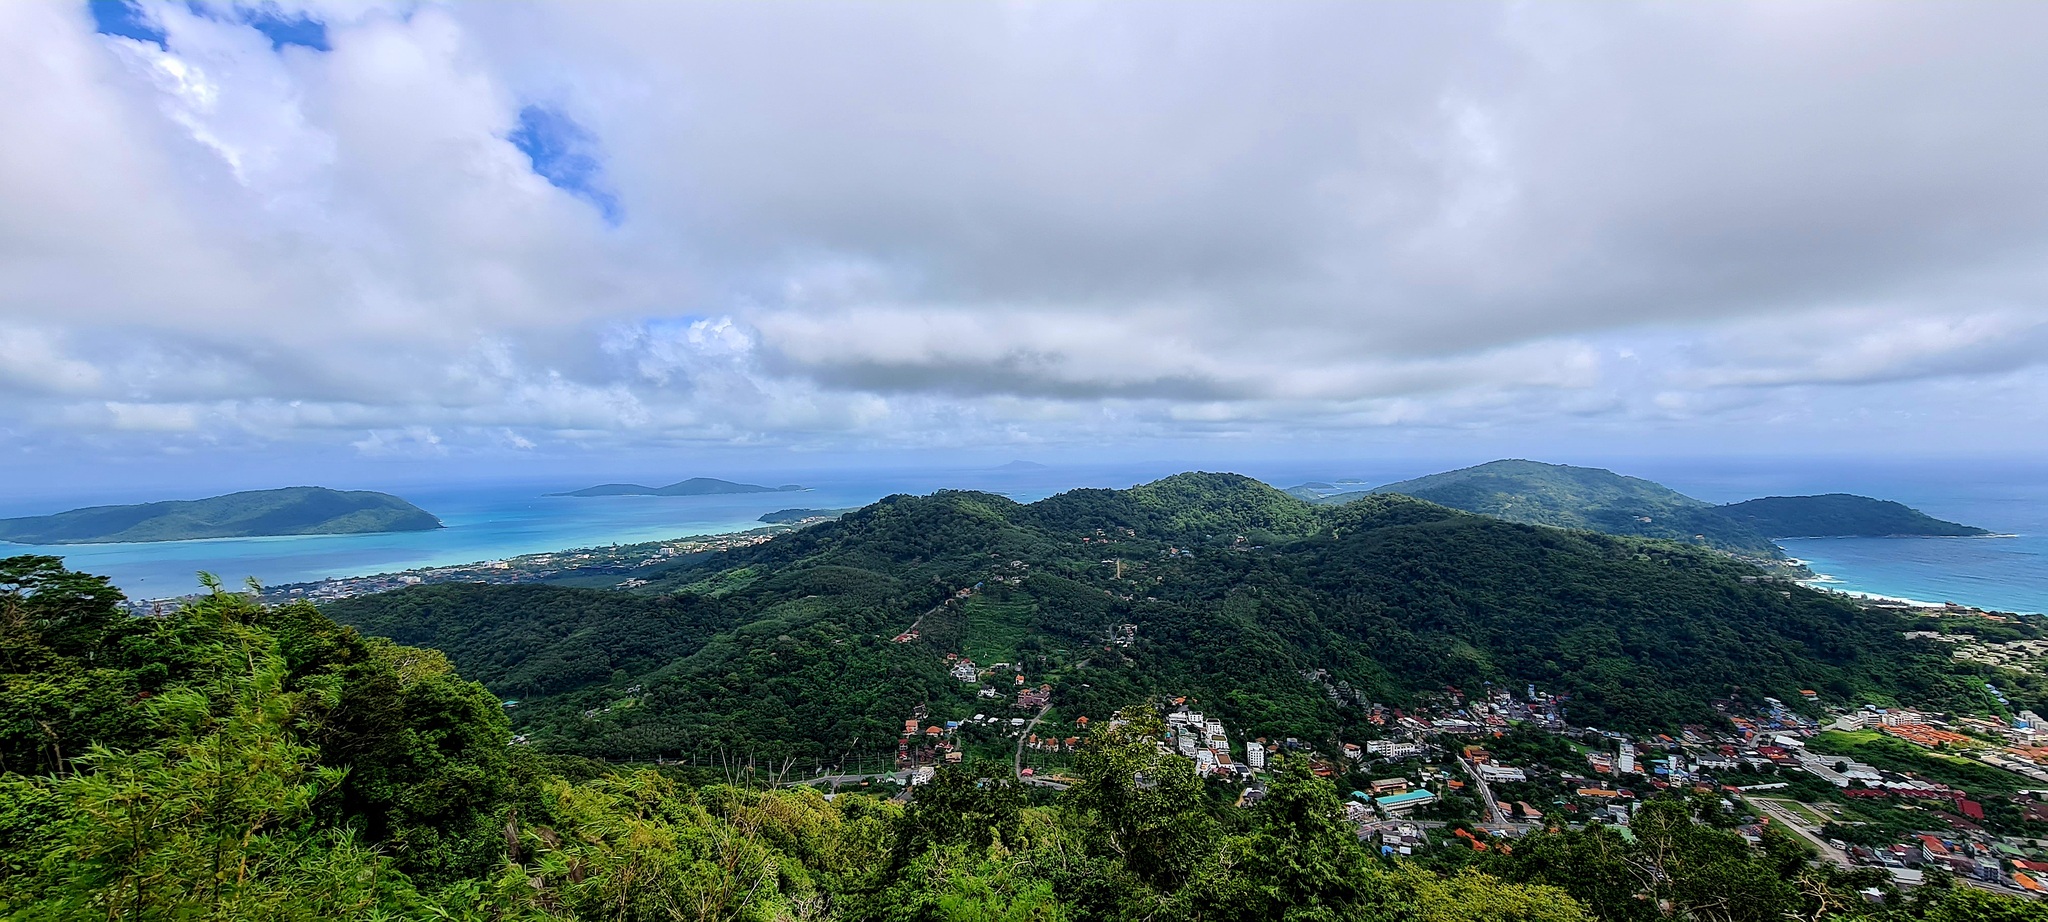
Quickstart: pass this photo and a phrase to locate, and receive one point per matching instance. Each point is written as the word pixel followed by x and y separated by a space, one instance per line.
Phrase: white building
pixel 1492 772
pixel 1390 749
pixel 1255 755
pixel 1626 762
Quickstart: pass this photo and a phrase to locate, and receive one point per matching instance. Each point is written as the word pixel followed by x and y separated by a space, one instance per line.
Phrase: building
pixel 1625 763
pixel 1491 772
pixel 1255 755
pixel 1398 804
pixel 1392 750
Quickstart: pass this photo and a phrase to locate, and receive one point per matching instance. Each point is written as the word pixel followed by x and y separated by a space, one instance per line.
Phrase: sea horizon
pixel 497 521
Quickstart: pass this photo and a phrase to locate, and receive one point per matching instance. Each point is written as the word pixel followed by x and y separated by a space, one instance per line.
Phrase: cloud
pixel 879 225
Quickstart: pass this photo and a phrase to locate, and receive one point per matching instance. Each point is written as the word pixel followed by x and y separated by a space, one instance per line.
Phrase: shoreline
pixel 1820 582
pixel 1830 582
pixel 1888 537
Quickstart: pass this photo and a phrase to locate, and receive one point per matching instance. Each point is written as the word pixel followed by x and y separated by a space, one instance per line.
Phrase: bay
pixel 492 522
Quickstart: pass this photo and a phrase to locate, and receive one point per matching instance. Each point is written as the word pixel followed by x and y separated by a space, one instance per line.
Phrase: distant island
pixel 792 516
pixel 1022 466
pixel 1842 515
pixel 250 514
pixel 1594 499
pixel 695 486
pixel 1590 498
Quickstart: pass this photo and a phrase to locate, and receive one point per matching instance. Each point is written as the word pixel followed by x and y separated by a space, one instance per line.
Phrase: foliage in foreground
pixel 262 763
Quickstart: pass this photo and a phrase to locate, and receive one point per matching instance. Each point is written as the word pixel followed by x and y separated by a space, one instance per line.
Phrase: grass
pixel 1900 756
pixel 1798 809
pixel 995 628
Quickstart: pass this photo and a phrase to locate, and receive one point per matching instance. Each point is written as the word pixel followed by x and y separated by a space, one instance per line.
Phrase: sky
pixel 270 243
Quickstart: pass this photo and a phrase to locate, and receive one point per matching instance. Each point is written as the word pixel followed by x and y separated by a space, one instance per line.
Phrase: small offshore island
pixel 695 486
pixel 249 514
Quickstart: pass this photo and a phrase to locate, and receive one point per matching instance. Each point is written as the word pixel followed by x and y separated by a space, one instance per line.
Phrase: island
pixel 249 514
pixel 1842 515
pixel 1594 499
pixel 793 516
pixel 695 486
pixel 1591 498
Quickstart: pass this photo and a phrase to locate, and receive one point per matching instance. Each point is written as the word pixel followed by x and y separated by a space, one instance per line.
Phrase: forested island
pixel 695 486
pixel 1842 515
pixel 255 513
pixel 1596 499
pixel 791 516
pixel 1584 497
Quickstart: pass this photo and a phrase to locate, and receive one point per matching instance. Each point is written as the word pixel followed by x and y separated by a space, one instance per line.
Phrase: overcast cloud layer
pixel 499 228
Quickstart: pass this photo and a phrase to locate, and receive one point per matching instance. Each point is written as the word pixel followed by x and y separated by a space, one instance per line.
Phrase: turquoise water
pixel 2004 573
pixel 491 523
pixel 488 523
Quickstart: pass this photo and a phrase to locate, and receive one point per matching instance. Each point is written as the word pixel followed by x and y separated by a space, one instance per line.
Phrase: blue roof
pixel 1395 800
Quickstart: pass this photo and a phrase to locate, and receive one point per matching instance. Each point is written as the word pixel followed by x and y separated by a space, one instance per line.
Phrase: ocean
pixel 502 520
pixel 2006 573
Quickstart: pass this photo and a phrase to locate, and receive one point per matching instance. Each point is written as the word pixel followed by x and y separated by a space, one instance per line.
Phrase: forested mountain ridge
pixel 1595 499
pixel 242 763
pixel 254 513
pixel 1233 589
pixel 1600 500
pixel 695 486
pixel 1841 515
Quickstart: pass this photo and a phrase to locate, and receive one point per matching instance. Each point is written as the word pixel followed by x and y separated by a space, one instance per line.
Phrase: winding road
pixel 1017 759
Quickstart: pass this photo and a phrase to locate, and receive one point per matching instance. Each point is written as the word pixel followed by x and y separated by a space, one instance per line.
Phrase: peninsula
pixel 1594 499
pixel 250 514
pixel 695 486
pixel 1842 515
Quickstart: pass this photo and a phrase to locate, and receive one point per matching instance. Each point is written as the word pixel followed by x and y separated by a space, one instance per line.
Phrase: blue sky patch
pixel 125 19
pixel 301 30
pixel 566 155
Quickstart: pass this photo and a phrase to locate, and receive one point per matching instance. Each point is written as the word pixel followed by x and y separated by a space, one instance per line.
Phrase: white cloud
pixel 884 225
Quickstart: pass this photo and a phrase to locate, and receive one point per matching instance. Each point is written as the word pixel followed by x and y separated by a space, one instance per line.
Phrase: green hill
pixel 236 762
pixel 1235 590
pixel 1585 497
pixel 290 511
pixel 695 486
pixel 787 516
pixel 1840 515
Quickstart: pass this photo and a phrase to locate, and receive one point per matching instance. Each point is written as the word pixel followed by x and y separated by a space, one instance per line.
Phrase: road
pixel 834 781
pixel 1494 813
pixel 914 625
pixel 1017 760
pixel 1840 859
pixel 1812 836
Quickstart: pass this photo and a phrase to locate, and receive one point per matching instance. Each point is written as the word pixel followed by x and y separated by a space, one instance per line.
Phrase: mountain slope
pixel 823 640
pixel 290 511
pixel 1589 498
pixel 695 486
pixel 1840 515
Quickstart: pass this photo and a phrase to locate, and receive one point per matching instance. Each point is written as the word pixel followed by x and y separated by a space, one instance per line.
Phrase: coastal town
pixel 1911 792
pixel 592 564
